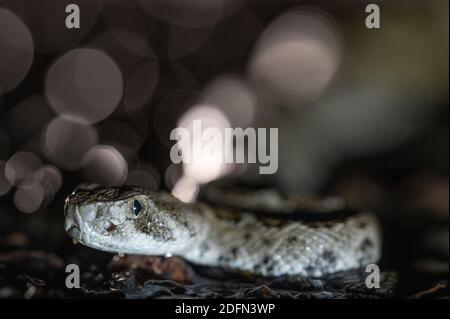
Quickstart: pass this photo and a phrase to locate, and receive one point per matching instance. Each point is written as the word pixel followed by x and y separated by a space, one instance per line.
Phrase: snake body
pixel 257 232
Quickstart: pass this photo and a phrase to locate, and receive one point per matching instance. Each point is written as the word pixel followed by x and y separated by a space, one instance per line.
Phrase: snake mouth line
pixel 73 223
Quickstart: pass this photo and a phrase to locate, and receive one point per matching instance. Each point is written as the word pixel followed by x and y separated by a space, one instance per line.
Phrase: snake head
pixel 126 219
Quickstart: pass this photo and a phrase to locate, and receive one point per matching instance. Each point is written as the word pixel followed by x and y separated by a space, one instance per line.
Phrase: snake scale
pixel 259 232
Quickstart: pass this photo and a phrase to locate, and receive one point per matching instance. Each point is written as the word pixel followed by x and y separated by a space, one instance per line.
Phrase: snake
pixel 260 232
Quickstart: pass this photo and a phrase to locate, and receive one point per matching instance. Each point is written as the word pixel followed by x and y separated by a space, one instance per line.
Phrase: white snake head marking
pixel 127 219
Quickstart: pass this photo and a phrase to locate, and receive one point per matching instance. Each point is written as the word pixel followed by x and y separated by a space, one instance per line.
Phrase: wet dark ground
pixel 37 274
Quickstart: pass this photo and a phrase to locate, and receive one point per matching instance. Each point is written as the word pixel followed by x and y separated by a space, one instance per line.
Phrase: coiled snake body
pixel 269 235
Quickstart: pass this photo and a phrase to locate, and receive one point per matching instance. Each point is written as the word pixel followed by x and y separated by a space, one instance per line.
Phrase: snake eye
pixel 136 208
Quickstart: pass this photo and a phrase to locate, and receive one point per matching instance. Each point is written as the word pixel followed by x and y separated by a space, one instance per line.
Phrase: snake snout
pixel 72 222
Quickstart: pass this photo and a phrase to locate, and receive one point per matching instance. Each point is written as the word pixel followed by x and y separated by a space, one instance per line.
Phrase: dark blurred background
pixel 362 113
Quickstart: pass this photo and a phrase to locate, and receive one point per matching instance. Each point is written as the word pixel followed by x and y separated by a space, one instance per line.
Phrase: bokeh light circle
pixel 297 55
pixel 20 166
pixel 50 178
pixel 66 142
pixel 84 85
pixel 172 175
pixel 16 50
pixel 186 189
pixel 204 164
pixel 234 98
pixel 5 185
pixel 29 198
pixel 105 165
